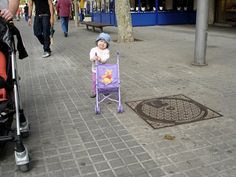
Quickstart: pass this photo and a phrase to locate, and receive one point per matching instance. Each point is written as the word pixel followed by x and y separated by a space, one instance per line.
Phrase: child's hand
pixel 96 58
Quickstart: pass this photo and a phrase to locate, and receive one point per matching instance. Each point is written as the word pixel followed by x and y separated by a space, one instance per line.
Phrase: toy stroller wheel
pixel 24 168
pixel 97 110
pixel 120 109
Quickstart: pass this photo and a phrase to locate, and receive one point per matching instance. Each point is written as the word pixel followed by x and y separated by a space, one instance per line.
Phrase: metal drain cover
pixel 171 110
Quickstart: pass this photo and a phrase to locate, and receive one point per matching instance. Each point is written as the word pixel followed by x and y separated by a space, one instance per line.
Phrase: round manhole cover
pixel 171 110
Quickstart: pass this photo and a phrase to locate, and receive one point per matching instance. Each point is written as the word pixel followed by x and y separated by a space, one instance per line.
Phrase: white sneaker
pixel 46 54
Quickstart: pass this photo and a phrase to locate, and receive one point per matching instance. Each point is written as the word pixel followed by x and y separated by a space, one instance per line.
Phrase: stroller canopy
pixel 5 33
pixel 7 30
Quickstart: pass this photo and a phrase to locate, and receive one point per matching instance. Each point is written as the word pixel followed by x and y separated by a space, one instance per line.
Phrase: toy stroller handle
pixel 118 57
pixel 96 62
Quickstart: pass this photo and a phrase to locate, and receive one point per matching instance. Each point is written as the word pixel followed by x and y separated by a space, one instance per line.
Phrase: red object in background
pixel 3 74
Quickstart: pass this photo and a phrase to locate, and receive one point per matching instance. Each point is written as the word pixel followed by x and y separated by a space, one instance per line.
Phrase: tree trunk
pixel 124 24
pixel 76 13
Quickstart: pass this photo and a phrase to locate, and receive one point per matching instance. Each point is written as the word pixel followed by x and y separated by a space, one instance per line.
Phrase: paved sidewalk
pixel 68 139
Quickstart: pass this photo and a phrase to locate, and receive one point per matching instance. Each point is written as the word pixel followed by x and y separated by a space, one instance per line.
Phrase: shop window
pixel 165 5
pixel 145 5
pixel 179 5
pixel 111 5
pixel 230 5
pixel 102 5
pixel 161 5
pixel 183 5
pixel 230 11
pixel 96 5
pixel 148 5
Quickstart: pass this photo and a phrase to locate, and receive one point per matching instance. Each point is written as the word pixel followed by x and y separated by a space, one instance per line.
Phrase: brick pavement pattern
pixel 69 140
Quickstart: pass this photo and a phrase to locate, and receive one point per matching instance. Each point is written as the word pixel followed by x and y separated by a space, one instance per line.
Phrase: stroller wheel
pixel 24 168
pixel 120 109
pixel 97 110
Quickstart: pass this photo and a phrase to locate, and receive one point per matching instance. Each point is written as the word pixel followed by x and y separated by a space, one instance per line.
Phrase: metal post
pixel 201 33
pixel 76 13
pixel 139 5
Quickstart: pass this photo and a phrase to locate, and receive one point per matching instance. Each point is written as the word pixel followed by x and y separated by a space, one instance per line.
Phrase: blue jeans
pixel 26 17
pixel 64 24
pixel 42 31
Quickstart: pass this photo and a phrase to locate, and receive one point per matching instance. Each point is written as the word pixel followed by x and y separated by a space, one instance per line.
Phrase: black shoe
pixel 65 34
pixel 93 95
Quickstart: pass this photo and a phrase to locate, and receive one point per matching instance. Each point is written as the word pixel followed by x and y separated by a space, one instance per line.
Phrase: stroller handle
pixel 6 21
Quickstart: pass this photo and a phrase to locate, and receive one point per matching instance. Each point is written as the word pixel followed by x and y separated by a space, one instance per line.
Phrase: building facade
pixel 165 12
pixel 222 12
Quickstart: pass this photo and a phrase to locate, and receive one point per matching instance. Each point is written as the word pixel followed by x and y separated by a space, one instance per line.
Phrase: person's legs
pixel 64 25
pixel 26 17
pixel 38 32
pixel 46 33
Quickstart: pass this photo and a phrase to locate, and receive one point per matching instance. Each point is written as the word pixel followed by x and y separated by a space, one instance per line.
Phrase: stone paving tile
pixel 102 166
pixel 98 158
pixel 122 171
pixel 107 173
pixel 156 172
pixel 111 155
pixel 130 160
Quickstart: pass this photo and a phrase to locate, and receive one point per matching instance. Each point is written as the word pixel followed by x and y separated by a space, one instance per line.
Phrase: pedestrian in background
pixel 64 11
pixel 43 21
pixel 26 12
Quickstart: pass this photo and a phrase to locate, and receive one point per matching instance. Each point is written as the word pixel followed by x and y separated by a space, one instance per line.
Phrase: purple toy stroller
pixel 108 84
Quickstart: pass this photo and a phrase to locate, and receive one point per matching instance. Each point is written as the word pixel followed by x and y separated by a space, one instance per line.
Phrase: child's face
pixel 102 44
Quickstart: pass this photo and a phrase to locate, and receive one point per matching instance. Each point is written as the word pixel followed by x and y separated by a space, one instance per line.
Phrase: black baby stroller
pixel 10 105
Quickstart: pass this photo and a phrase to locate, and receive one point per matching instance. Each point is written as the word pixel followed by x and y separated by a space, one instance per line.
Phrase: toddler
pixel 101 54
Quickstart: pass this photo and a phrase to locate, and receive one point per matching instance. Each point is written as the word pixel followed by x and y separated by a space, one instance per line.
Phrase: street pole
pixel 201 33
pixel 76 13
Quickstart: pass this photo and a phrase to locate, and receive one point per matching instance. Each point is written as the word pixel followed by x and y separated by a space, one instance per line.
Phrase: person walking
pixel 26 12
pixel 64 11
pixel 8 9
pixel 43 21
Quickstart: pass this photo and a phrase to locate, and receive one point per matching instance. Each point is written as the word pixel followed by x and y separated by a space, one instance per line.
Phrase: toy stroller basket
pixel 7 46
pixel 108 76
pixel 108 84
